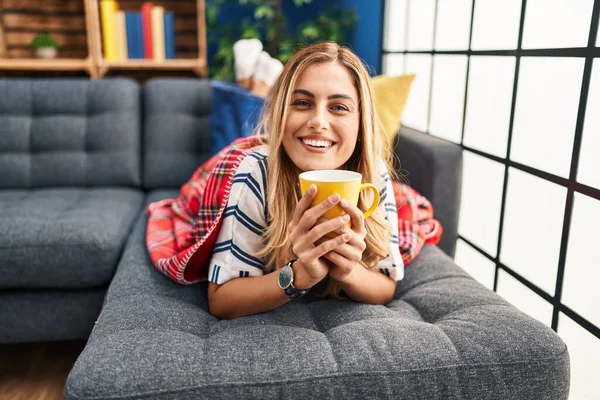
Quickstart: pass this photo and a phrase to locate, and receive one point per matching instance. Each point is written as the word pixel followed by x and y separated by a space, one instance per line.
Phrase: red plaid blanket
pixel 181 231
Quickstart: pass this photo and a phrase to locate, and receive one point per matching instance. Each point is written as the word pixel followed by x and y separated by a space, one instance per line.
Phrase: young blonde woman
pixel 242 224
pixel 320 116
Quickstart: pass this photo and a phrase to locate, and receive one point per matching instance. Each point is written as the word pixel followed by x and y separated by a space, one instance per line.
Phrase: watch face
pixel 285 277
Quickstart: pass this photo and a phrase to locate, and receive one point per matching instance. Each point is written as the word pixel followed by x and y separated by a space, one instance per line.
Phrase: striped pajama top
pixel 245 219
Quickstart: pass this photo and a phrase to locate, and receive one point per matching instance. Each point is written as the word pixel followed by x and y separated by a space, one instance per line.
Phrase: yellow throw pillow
pixel 391 93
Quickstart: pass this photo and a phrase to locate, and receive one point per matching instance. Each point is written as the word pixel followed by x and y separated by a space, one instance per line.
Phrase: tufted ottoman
pixel 444 336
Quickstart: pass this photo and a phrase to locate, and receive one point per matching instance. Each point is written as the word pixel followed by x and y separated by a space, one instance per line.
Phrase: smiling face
pixel 323 118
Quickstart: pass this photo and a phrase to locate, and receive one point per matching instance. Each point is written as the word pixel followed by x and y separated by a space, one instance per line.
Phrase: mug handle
pixel 375 204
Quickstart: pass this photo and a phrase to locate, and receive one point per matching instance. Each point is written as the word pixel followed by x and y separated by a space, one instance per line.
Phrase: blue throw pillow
pixel 235 112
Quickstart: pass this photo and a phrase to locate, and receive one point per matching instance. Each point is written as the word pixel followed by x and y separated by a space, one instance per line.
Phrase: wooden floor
pixel 36 371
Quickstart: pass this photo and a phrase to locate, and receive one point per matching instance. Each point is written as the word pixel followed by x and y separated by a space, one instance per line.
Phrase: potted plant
pixel 45 46
pixel 266 21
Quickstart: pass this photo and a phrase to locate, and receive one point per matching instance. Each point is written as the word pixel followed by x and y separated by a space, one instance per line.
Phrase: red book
pixel 147 29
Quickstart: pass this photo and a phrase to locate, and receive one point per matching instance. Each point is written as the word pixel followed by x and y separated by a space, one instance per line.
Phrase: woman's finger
pixel 337 259
pixel 356 214
pixel 329 245
pixel 304 204
pixel 302 241
pixel 357 240
pixel 322 220
pixel 349 252
pixel 309 218
pixel 338 231
pixel 321 230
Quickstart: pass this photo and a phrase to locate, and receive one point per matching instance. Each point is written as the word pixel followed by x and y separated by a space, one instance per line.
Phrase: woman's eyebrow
pixel 341 96
pixel 333 96
pixel 304 92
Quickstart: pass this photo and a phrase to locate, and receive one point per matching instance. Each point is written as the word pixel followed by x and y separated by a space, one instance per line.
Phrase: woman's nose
pixel 318 121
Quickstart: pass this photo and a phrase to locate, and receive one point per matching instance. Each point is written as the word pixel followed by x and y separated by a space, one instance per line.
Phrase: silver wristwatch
pixel 286 281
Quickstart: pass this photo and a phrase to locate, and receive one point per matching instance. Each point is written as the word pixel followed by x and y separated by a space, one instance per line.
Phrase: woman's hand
pixel 347 256
pixel 305 235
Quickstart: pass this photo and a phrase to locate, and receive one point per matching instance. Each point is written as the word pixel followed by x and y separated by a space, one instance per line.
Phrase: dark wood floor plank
pixel 36 371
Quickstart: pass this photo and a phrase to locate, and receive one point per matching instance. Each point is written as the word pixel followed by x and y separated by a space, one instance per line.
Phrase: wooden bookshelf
pixel 57 64
pixel 21 20
pixel 76 26
pixel 198 65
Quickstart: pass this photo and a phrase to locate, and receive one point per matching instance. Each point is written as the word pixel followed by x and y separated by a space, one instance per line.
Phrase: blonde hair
pixel 282 190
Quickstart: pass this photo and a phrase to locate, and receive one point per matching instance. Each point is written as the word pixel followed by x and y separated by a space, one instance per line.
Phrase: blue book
pixel 139 35
pixel 135 36
pixel 169 35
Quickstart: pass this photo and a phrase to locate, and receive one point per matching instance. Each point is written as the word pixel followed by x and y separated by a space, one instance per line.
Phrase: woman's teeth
pixel 317 143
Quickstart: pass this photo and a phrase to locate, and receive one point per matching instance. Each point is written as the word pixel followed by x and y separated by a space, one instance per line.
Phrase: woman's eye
pixel 340 107
pixel 301 103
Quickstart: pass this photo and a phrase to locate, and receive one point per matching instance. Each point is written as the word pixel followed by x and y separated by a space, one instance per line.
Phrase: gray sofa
pixel 70 189
pixel 79 161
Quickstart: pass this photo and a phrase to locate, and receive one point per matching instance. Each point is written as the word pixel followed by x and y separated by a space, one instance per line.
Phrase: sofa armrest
pixel 433 167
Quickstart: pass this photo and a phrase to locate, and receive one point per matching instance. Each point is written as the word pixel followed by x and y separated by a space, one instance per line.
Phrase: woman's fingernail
pixel 346 236
pixel 334 198
pixel 345 217
pixel 344 202
pixel 311 189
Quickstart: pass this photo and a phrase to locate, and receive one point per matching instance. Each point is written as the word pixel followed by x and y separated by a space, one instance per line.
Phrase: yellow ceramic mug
pixel 345 183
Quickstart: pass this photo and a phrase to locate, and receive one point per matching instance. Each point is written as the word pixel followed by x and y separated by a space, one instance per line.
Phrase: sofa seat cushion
pixel 44 315
pixel 444 336
pixel 64 237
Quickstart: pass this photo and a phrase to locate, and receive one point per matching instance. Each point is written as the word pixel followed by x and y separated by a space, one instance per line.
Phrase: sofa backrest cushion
pixel 69 132
pixel 176 130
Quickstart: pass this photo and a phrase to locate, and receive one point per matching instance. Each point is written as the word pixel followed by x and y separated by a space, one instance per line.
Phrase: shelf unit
pixel 95 65
pixel 57 64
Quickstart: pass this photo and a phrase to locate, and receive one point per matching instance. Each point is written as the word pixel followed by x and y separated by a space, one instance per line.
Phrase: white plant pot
pixel 46 52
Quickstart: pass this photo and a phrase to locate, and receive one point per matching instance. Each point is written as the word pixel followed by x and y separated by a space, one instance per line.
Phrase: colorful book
pixel 147 29
pixel 121 35
pixel 107 16
pixel 135 40
pixel 169 35
pixel 158 32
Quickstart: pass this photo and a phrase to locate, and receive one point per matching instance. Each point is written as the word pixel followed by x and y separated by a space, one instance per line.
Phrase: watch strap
pixel 292 291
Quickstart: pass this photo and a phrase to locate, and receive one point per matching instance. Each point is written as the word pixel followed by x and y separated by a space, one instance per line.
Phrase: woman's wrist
pixel 302 280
